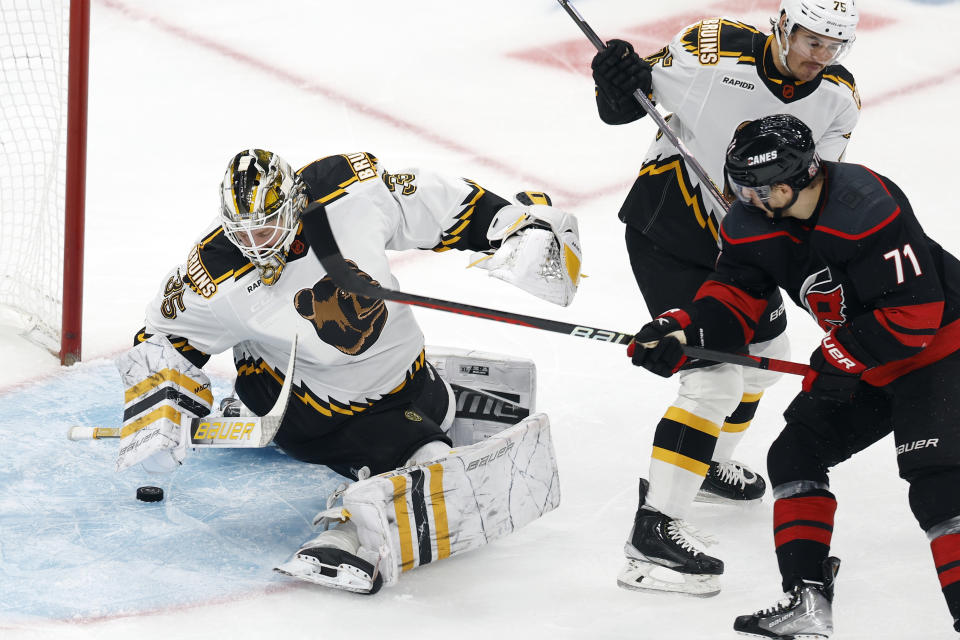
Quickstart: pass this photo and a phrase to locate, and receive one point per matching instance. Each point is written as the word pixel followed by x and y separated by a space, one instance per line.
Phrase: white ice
pixel 497 91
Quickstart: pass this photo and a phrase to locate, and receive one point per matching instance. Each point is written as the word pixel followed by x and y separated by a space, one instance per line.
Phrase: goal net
pixel 43 60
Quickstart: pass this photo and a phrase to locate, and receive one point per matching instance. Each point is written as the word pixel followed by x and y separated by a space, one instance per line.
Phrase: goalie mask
pixel 261 199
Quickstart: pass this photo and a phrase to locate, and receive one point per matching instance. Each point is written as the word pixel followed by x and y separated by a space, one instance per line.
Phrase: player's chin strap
pixel 652 112
pixel 328 252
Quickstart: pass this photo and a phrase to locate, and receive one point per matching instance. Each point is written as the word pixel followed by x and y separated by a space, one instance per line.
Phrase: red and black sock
pixel 802 529
pixel 946 557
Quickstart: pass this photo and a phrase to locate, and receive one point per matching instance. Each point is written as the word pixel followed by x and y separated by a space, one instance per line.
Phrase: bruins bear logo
pixel 344 320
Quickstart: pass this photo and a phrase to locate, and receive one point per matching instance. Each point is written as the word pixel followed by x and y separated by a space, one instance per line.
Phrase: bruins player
pixel 365 400
pixel 714 75
pixel 845 244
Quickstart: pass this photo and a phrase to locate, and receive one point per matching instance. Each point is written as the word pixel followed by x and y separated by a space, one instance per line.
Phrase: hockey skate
pixel 731 482
pixel 330 560
pixel 804 613
pixel 662 555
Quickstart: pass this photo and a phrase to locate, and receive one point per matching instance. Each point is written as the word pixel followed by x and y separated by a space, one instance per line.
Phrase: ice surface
pixel 499 92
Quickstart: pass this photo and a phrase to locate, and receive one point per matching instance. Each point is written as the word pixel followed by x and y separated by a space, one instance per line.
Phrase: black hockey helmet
pixel 777 149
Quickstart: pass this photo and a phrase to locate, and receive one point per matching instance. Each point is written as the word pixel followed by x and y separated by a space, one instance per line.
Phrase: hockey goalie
pixel 444 450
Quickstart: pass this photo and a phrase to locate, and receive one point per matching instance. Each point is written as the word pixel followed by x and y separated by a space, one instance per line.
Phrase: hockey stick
pixel 651 111
pixel 328 252
pixel 221 431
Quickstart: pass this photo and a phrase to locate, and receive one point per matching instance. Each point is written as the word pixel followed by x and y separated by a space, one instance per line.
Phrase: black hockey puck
pixel 149 494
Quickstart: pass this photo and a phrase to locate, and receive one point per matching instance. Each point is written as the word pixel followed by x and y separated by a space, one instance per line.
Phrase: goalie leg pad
pixel 417 515
pixel 492 391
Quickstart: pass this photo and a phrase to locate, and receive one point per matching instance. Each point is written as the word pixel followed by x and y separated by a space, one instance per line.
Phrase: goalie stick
pixel 328 252
pixel 652 112
pixel 221 431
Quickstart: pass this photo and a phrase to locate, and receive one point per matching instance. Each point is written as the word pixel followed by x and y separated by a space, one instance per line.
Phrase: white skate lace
pixel 782 604
pixel 687 536
pixel 732 472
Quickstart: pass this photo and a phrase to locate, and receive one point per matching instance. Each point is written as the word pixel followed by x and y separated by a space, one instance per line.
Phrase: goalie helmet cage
pixel 44 48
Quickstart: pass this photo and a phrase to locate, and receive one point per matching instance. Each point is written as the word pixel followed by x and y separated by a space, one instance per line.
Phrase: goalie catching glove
pixel 536 248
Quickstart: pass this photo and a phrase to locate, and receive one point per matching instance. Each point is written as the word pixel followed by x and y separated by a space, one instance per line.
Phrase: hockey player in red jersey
pixel 367 400
pixel 714 75
pixel 844 243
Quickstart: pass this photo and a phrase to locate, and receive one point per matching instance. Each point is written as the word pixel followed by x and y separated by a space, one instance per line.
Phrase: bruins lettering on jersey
pixel 344 320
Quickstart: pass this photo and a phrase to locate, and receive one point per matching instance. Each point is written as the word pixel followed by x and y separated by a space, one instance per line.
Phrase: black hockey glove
pixel 619 71
pixel 666 357
pixel 826 381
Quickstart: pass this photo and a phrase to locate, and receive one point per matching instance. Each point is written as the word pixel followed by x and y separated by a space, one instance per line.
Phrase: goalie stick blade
pixel 246 432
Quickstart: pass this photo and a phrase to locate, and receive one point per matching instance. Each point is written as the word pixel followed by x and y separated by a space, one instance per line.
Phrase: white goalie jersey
pixel 352 350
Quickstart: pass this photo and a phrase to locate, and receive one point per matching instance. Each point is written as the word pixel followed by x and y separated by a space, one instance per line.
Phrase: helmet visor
pixel 752 195
pixel 823 49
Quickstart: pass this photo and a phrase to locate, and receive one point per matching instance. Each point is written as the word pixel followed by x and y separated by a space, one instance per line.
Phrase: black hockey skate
pixel 662 556
pixel 804 613
pixel 731 483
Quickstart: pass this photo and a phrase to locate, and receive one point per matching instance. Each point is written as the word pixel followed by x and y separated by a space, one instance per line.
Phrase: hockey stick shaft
pixel 652 111
pixel 328 252
pixel 221 431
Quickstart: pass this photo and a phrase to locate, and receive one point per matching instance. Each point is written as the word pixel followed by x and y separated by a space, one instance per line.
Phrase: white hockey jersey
pixel 713 76
pixel 352 350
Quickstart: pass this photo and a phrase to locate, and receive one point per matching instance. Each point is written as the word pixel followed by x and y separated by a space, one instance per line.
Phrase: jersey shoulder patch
pixel 328 178
pixel 714 38
pixel 213 260
pixel 858 203
pixel 741 226
pixel 839 75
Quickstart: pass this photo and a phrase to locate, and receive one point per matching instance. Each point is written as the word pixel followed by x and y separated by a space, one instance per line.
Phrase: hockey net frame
pixel 21 50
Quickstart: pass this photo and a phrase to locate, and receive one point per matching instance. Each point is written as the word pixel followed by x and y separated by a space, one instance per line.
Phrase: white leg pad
pixel 493 391
pixel 420 514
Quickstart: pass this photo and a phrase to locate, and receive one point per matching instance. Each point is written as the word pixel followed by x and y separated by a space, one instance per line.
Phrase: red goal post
pixel 44 52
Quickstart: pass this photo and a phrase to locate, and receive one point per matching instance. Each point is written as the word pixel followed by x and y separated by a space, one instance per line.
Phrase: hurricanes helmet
pixel 828 18
pixel 777 149
pixel 261 199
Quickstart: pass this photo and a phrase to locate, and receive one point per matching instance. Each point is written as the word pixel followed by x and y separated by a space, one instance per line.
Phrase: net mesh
pixel 34 38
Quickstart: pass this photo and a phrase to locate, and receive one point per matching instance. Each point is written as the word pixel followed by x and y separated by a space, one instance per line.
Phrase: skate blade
pixel 711 498
pixel 796 636
pixel 345 577
pixel 644 576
